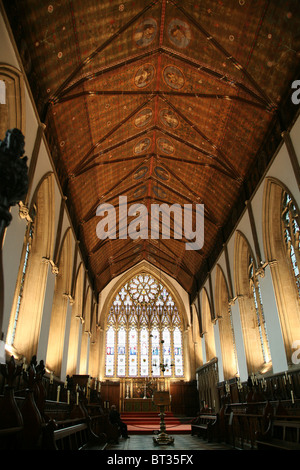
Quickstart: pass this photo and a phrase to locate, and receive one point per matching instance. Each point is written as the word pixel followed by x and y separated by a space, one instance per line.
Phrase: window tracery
pixel 290 225
pixel 144 331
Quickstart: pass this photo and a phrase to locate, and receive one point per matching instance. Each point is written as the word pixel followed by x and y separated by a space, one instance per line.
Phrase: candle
pixel 68 397
pixel 77 398
pixel 292 395
pixel 58 393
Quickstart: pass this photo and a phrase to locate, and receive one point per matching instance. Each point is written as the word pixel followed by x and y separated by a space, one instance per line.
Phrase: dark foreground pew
pixel 283 433
pixel 205 426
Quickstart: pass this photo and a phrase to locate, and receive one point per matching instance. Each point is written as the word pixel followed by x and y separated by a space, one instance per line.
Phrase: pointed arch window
pixel 290 227
pixel 29 239
pixel 144 331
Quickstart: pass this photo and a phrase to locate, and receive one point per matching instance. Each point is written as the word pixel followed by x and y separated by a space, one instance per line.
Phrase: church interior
pixel 149 185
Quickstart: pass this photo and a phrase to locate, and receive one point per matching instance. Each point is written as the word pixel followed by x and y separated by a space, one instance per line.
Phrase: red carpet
pixel 147 423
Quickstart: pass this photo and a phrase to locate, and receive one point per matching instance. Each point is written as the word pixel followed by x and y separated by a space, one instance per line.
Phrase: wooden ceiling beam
pixel 225 53
pixel 101 48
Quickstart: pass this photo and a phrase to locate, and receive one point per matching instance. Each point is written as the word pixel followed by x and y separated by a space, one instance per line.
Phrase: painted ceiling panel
pixel 162 102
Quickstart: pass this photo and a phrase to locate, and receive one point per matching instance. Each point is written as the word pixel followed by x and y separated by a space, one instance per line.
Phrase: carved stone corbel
pixel 54 268
pixel 24 212
pixel 69 297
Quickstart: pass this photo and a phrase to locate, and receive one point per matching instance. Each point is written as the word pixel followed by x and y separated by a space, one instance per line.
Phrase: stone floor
pixel 182 442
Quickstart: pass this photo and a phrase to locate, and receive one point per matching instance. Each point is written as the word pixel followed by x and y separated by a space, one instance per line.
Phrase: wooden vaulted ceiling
pixel 160 101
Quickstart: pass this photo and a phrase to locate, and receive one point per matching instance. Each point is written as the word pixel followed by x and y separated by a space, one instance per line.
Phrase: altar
pixel 136 395
pixel 139 405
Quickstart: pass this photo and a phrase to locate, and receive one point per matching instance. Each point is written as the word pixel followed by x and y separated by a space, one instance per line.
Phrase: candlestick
pixel 58 393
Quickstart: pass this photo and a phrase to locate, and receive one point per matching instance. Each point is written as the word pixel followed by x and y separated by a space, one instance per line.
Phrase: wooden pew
pixel 205 426
pixel 72 434
pixel 240 422
pixel 11 420
pixel 100 423
pixel 283 433
pixel 29 421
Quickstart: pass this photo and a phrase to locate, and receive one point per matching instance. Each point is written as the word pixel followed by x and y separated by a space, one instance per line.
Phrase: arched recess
pixel 12 104
pixel 76 318
pixel 208 327
pixel 59 306
pixel 278 254
pixel 27 309
pixel 150 369
pixel 227 338
pixel 251 308
pixel 144 266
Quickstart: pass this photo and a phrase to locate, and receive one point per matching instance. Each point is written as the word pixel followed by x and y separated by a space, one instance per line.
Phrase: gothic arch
pixel 227 339
pixel 144 266
pixel 286 292
pixel 59 306
pixel 27 308
pixel 249 319
pixel 143 331
pixel 12 110
pixel 208 327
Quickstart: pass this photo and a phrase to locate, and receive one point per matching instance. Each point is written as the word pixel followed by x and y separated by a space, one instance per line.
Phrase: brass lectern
pixel 162 399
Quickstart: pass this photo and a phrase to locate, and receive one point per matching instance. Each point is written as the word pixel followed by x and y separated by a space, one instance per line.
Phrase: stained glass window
pixel 110 346
pixel 290 219
pixel 144 331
